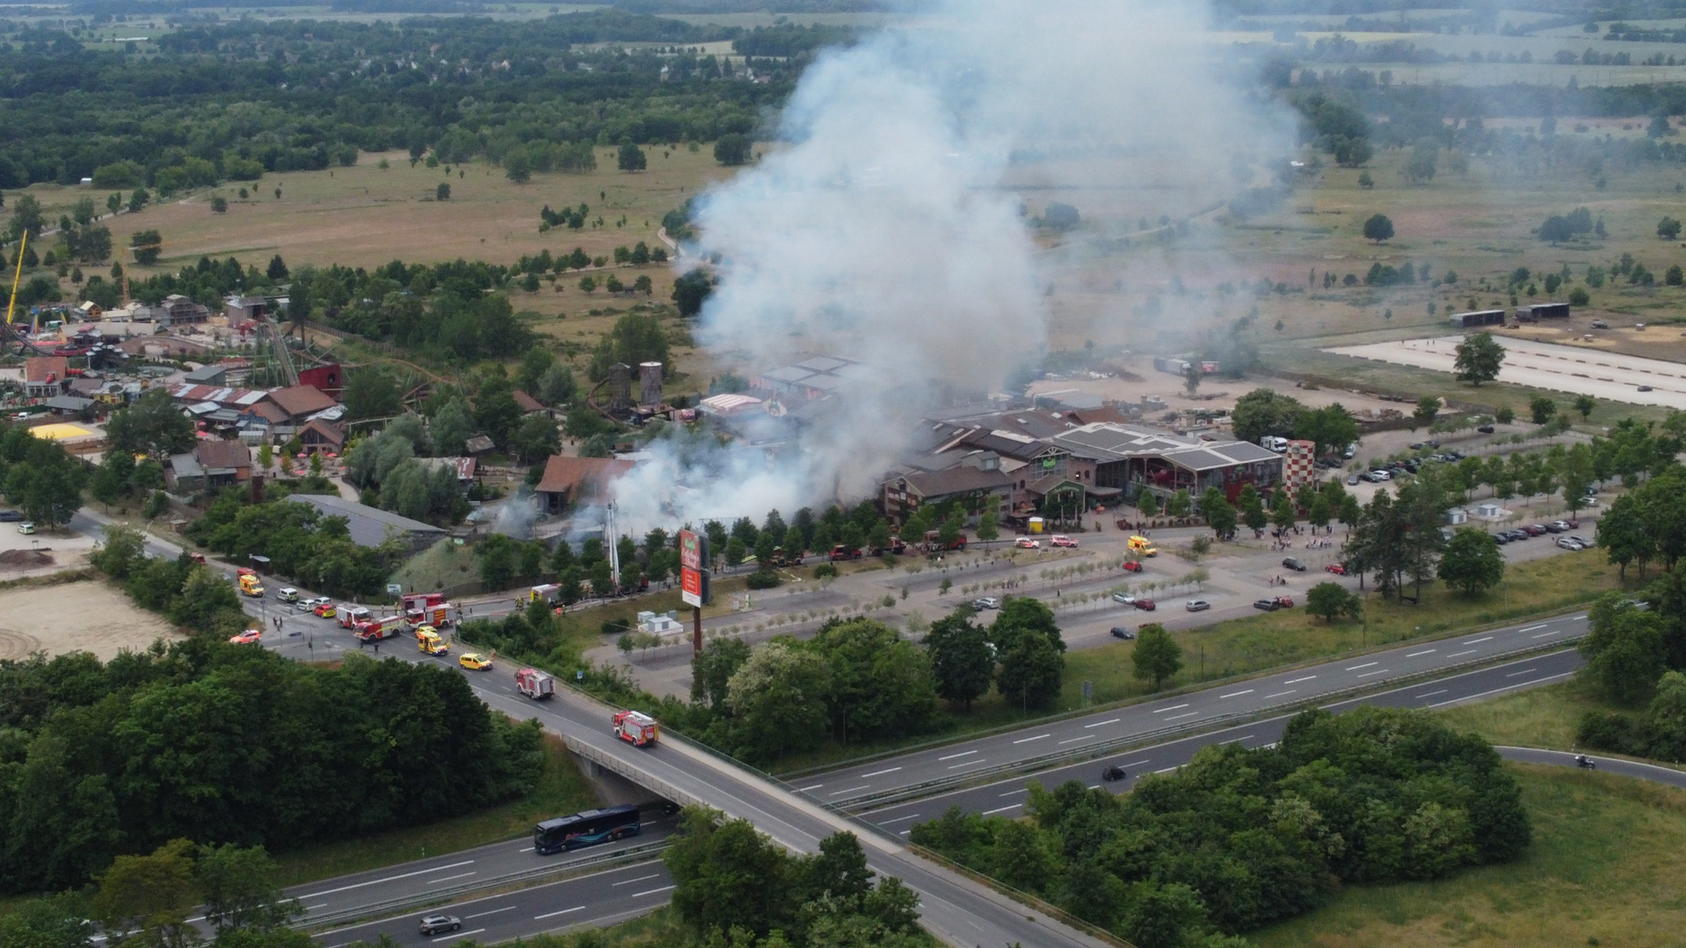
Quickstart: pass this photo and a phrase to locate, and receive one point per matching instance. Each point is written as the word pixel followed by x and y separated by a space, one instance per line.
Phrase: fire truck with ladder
pixel 636 728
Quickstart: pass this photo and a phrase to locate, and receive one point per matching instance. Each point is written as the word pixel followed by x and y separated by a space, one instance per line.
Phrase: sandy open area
pixel 75 617
pixel 1571 369
pixel 1214 392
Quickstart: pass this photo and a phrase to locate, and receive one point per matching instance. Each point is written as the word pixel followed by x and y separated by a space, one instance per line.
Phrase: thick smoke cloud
pixel 887 226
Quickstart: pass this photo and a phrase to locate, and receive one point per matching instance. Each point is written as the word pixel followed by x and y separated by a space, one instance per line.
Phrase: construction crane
pixel 12 301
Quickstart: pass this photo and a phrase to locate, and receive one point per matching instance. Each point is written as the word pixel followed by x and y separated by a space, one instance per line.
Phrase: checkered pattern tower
pixel 1299 464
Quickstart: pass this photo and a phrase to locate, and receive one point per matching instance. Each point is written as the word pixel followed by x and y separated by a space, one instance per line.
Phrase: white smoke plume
pixel 887 224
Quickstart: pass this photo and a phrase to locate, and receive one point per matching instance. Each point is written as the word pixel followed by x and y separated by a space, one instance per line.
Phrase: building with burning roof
pixel 569 481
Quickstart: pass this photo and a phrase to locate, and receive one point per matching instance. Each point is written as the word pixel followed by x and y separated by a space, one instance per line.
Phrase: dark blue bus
pixel 587 828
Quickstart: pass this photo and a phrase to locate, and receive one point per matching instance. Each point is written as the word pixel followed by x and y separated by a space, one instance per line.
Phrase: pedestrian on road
pixel 377 646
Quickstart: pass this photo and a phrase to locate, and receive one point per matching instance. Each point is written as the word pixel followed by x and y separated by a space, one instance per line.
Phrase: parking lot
pixel 1574 370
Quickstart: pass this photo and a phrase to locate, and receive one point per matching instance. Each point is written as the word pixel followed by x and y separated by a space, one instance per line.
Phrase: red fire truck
pixel 636 728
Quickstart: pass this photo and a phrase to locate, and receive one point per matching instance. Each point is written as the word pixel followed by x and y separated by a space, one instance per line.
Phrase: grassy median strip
pixel 560 790
pixel 1602 869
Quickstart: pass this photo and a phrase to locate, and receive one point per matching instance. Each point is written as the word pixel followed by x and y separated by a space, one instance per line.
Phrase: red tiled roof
pixel 219 453
pixel 566 474
pixel 525 402
pixel 300 400
pixel 42 368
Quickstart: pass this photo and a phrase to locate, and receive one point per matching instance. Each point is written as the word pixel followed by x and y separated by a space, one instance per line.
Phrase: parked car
pixel 1119 632
pixel 1644 388
pixel 474 661
pixel 1132 566
pixel 1197 605
pixel 1590 500
pixel 1535 529
pixel 325 610
pixel 1502 537
pixel 1379 475
pixel 248 637
pixel 1268 605
pixel 10 516
pixel 1060 539
pixel 1484 429
pixel 439 924
pixel 1351 479
pixel 1124 599
pixel 1583 541
pixel 1294 564
pixel 1146 605
pixel 986 602
pixel 1569 543
pixel 1028 543
pixel 309 605
pixel 1339 569
pixel 288 594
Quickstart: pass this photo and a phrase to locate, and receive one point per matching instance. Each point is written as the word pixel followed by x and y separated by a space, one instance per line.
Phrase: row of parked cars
pixel 1529 531
pixel 1392 469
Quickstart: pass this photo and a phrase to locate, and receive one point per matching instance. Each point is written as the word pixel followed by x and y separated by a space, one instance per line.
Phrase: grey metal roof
pixel 369 526
pixel 68 402
pixel 787 373
pixel 822 364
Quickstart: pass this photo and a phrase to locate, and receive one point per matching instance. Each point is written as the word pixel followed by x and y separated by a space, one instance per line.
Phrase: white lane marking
pixel 1235 739
pixel 406 875
pixel 1365 665
pixel 1431 694
pixel 1520 684
pixel 1102 723
pixel 1171 708
pixel 639 895
pixel 653 875
pixel 507 908
pixel 455 935
pixel 1085 737
pixel 880 773
pixel 1484 638
pixel 1467 651
pixel 1002 809
pixel 1281 693
pixel 1011 793
pixel 1027 740
pixel 1237 694
pixel 554 914
pixel 961 754
pixel 814 786
pixel 968 763
pixel 850 789
pixel 1426 651
pixel 1379 671
pixel 1295 681
pixel 1164 770
pixel 1522 672
pixel 898 819
pixel 904 832
pixel 1188 714
pixel 1546 635
pixel 1578 618
pixel 1533 628
pixel 460 875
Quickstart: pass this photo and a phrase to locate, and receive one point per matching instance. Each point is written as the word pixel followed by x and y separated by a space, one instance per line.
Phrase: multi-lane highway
pixel 1191 710
pixel 606 897
pixel 957 909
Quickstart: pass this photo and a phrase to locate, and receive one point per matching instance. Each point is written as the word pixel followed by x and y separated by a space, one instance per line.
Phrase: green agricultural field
pixel 1602 870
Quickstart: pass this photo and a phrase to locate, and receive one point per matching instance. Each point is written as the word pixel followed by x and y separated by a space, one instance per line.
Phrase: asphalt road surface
pixel 605 898
pixel 1186 711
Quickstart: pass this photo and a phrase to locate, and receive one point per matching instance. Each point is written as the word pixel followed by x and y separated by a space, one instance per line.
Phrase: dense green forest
pixel 1239 838
pixel 236 99
pixel 220 743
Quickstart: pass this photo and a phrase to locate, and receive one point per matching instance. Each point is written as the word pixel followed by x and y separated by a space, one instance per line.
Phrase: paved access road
pixel 1194 709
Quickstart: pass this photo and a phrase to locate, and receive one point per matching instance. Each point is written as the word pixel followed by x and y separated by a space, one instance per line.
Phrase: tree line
pixel 314 93
pixel 1239 838
pixel 314 550
pixel 855 682
pixel 225 744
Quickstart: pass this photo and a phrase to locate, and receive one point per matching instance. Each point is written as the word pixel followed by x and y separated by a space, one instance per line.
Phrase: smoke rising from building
pixel 889 225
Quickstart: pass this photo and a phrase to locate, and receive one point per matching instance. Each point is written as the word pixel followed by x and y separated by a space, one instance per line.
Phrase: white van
pixel 1274 443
